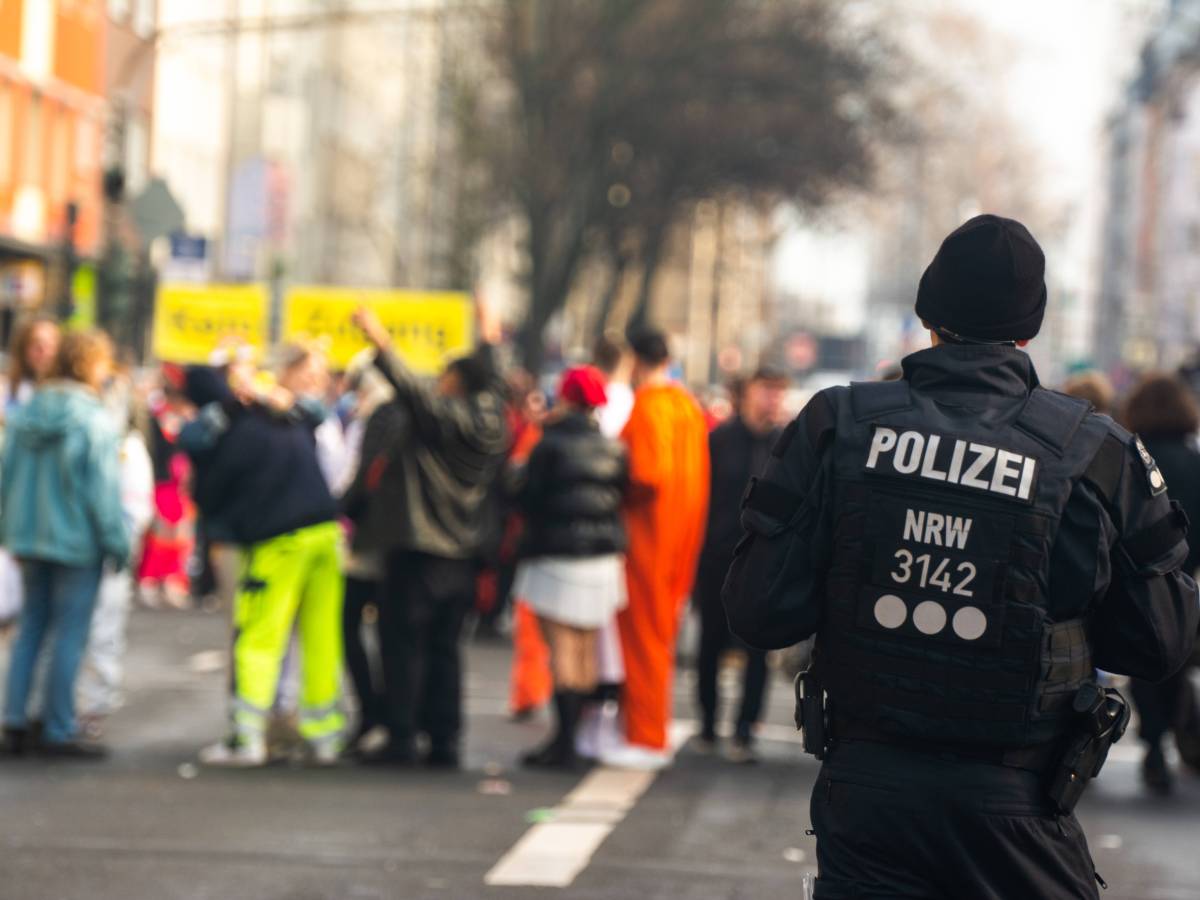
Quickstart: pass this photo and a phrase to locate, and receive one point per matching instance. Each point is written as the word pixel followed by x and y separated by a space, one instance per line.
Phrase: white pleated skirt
pixel 584 592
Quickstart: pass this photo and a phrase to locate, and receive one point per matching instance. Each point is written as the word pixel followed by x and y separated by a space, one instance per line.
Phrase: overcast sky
pixel 1073 57
pixel 1071 60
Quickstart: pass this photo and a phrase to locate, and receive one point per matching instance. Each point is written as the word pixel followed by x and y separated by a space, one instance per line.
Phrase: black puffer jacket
pixel 570 491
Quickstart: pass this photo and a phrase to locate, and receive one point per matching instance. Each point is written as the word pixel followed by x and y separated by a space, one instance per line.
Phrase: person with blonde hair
pixel 31 360
pixel 32 357
pixel 1094 387
pixel 100 682
pixel 61 515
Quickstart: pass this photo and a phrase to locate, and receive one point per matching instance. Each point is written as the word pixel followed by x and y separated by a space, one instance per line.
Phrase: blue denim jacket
pixel 60 496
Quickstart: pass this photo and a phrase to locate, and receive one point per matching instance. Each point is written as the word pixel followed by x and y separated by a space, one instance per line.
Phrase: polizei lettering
pixel 968 464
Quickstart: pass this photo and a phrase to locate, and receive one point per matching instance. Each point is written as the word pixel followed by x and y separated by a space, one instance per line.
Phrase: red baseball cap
pixel 583 386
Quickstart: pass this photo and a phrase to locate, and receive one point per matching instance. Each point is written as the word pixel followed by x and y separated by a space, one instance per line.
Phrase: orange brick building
pixel 52 119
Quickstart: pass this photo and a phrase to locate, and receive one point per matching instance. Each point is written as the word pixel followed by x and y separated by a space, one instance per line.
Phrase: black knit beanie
pixel 986 283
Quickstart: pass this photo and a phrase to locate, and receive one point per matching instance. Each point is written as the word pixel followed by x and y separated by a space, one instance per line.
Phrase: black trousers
pixel 360 593
pixel 421 615
pixel 715 639
pixel 894 823
pixel 1160 706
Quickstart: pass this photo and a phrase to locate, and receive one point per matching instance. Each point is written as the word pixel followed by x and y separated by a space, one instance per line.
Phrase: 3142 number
pixel 939 577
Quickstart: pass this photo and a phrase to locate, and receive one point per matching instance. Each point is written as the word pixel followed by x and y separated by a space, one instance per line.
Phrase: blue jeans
pixel 58 603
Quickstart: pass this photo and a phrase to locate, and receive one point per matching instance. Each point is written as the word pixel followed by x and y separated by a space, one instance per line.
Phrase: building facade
pixel 52 120
pixel 1148 311
pixel 313 141
pixel 76 101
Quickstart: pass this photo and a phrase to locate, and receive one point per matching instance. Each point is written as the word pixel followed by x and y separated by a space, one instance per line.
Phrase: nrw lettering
pixel 923 527
pixel 967 463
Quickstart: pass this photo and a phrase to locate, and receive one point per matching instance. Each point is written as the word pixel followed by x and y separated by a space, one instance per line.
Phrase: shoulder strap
pixel 869 399
pixel 1104 471
pixel 1052 419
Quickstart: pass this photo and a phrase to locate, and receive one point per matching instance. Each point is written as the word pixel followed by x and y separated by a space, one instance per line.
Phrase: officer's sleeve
pixel 773 591
pixel 1145 626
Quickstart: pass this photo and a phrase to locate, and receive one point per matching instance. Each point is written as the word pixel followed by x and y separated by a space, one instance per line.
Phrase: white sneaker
pixel 326 753
pixel 245 754
pixel 638 758
pixel 149 596
pixel 587 734
pixel 599 731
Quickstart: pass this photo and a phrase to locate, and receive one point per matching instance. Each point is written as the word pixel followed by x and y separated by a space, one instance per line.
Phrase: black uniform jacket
pixel 1180 464
pixel 1142 617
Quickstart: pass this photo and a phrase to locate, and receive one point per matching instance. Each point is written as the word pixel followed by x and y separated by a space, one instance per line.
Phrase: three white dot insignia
pixel 968 623
pixel 890 611
pixel 929 617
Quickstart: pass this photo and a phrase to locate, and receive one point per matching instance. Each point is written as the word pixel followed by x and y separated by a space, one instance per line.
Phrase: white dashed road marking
pixel 552 854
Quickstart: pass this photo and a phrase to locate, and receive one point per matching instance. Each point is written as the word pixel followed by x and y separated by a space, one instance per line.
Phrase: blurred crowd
pixel 353 523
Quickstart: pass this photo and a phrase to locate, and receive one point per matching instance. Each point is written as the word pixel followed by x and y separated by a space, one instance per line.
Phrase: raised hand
pixel 487 321
pixel 368 323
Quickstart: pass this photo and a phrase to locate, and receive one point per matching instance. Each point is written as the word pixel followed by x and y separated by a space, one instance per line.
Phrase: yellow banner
pixel 193 320
pixel 428 328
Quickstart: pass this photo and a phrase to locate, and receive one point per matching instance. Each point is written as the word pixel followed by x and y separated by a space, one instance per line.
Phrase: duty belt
pixel 1039 758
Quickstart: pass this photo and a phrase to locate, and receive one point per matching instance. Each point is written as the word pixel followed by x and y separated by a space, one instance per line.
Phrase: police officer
pixel 967 548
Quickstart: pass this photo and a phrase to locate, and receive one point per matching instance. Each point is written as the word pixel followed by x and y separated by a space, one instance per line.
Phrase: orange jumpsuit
pixel 665 515
pixel 531 682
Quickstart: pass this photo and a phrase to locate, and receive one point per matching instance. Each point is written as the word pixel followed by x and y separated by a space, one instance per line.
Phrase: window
pixel 85 146
pixel 37 40
pixel 6 135
pixel 60 138
pixel 137 155
pixel 31 163
pixel 143 17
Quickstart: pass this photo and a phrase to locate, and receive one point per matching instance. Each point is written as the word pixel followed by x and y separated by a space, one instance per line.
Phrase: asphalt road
pixel 148 824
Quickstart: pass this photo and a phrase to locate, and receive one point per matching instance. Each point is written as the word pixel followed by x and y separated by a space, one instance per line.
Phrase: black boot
pixel 73 749
pixel 1156 775
pixel 559 751
pixel 16 741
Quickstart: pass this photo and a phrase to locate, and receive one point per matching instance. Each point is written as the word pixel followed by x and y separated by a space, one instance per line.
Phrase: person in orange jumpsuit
pixel 530 680
pixel 666 512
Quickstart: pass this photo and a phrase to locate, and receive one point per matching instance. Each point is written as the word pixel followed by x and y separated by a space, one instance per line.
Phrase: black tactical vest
pixel 935 627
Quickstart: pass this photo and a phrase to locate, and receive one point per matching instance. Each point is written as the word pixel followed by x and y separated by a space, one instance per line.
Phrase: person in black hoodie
pixel 572 570
pixel 738 449
pixel 1164 415
pixel 383 427
pixel 258 480
pixel 432 486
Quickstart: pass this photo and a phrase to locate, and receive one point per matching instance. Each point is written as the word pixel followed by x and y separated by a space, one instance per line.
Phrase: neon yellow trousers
pixel 293 579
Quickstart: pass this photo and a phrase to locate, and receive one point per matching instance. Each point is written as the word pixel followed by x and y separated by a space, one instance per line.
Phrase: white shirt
pixel 615 413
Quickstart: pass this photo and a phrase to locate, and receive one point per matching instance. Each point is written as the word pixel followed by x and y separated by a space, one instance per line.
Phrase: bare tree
pixel 611 117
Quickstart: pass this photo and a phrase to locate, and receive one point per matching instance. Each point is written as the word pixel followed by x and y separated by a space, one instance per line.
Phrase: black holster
pixel 1102 716
pixel 812 713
